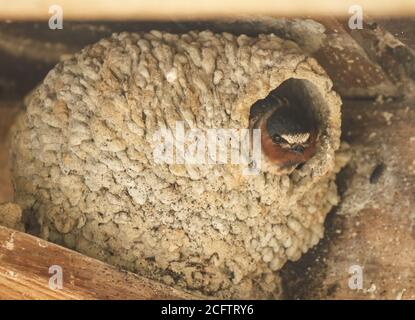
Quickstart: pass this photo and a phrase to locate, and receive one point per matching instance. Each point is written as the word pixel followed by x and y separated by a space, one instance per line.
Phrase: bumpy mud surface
pixel 83 160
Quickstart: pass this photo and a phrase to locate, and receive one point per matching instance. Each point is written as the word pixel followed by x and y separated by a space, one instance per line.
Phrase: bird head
pixel 288 134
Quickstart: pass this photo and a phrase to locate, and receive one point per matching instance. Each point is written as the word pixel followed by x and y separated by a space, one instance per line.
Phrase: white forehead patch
pixel 296 138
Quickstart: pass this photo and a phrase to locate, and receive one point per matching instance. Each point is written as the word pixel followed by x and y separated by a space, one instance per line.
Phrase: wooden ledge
pixel 24 274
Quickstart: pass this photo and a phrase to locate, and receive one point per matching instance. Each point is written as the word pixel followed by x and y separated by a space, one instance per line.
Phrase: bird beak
pixel 298 149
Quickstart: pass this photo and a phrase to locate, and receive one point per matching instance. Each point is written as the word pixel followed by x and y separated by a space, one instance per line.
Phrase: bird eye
pixel 277 139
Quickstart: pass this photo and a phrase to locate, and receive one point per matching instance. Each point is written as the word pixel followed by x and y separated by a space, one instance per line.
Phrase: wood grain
pixel 24 274
pixel 189 9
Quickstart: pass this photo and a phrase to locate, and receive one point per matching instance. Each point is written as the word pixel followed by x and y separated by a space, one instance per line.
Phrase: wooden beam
pixel 24 274
pixel 191 9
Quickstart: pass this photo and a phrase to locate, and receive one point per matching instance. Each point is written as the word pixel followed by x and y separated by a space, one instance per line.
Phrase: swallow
pixel 288 132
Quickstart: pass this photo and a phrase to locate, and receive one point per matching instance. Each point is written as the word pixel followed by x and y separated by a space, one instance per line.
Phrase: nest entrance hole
pixel 300 92
pixel 305 96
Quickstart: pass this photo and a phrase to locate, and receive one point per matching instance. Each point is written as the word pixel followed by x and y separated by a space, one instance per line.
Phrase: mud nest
pixel 83 160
